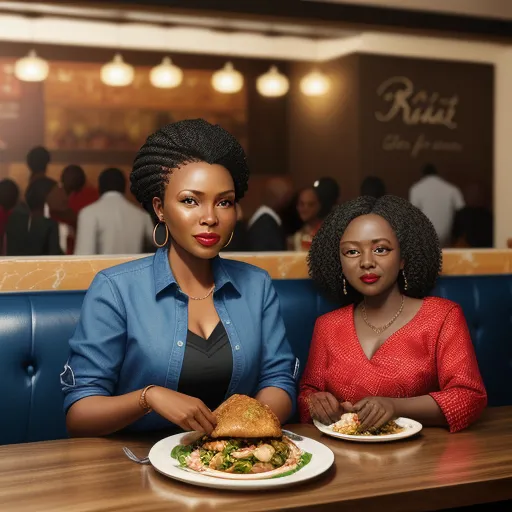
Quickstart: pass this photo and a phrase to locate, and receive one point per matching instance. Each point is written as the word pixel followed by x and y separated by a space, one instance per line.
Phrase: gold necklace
pixel 378 330
pixel 199 298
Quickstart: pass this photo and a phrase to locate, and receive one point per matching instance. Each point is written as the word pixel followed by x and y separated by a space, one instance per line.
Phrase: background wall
pixel 389 116
pixel 24 116
pixel 319 162
pixel 418 111
pixel 324 136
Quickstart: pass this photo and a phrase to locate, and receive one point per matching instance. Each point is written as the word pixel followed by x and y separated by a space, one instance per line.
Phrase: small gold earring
pixel 406 285
pixel 344 286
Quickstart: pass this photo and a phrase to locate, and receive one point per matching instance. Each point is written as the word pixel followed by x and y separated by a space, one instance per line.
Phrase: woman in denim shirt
pixel 177 333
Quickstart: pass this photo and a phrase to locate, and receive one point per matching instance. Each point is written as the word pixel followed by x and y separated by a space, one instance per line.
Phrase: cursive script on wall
pixel 415 107
pixel 417 145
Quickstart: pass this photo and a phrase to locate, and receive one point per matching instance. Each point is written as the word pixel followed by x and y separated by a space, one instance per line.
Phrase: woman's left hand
pixel 374 411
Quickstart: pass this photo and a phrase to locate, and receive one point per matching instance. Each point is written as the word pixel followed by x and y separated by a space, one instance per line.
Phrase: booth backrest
pixel 35 328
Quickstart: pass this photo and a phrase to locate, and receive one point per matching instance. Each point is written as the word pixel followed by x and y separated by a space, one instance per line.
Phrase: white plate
pixel 160 457
pixel 411 427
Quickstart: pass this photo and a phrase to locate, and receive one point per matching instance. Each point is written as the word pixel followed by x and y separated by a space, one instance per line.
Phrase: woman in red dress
pixel 391 350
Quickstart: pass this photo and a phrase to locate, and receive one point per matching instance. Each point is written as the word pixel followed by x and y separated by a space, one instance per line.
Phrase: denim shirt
pixel 133 328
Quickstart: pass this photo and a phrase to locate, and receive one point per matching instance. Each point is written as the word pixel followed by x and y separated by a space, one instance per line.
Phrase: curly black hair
pixel 419 247
pixel 180 143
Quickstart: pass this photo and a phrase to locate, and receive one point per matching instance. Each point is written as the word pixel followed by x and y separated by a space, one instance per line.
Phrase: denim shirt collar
pixel 164 277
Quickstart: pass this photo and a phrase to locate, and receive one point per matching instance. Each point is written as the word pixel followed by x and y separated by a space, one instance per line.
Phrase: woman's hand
pixel 187 412
pixel 324 407
pixel 374 411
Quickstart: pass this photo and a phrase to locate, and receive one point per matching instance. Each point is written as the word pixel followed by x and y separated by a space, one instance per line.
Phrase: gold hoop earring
pixel 230 238
pixel 345 286
pixel 406 285
pixel 166 234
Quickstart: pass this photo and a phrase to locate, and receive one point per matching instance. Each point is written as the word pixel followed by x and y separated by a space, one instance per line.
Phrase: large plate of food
pixel 247 450
pixel 349 428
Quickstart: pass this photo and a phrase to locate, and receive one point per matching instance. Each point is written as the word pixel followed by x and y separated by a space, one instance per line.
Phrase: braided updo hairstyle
pixel 419 247
pixel 180 143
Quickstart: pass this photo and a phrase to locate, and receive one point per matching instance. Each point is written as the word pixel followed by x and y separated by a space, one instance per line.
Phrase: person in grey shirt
pixel 113 225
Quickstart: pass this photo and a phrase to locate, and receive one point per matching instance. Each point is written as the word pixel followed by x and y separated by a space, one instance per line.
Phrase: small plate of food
pixel 247 450
pixel 348 428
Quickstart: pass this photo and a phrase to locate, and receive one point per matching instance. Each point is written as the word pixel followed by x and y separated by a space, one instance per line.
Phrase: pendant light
pixel 117 73
pixel 31 68
pixel 315 83
pixel 272 84
pixel 227 80
pixel 166 75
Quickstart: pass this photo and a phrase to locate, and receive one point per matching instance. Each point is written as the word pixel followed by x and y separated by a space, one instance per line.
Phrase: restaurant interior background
pixel 375 87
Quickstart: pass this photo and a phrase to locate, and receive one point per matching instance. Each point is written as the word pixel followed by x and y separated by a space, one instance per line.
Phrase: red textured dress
pixel 431 355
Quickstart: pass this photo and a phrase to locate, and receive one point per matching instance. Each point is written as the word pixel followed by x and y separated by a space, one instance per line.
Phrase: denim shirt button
pixel 237 347
pixel 228 322
pixel 180 343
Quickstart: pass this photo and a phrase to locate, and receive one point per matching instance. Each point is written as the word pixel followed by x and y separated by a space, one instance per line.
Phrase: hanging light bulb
pixel 31 68
pixel 227 80
pixel 166 75
pixel 315 84
pixel 117 73
pixel 272 84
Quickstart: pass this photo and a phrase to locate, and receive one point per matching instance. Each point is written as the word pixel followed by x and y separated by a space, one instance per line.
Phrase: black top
pixel 474 225
pixel 207 367
pixel 239 240
pixel 265 234
pixel 28 235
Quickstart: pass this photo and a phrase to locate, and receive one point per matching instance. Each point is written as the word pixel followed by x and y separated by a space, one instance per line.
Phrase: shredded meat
pixel 215 446
pixel 262 467
pixel 244 453
pixel 194 461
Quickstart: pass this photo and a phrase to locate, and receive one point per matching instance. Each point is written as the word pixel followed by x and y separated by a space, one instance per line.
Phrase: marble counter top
pixel 77 272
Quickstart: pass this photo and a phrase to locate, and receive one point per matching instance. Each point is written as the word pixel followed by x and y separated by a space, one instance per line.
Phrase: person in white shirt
pixel 438 200
pixel 113 225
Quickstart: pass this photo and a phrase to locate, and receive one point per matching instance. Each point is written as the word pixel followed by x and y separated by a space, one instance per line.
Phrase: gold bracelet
pixel 142 399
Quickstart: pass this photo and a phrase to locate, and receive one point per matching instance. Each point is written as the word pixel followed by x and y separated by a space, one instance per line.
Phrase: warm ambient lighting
pixel 117 73
pixel 31 68
pixel 315 84
pixel 166 75
pixel 227 80
pixel 272 84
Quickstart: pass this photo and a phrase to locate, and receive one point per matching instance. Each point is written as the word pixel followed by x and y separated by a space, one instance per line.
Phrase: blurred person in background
pixel 311 212
pixel 80 193
pixel 329 192
pixel 113 225
pixel 77 195
pixel 38 159
pixel 30 233
pixel 9 195
pixel 473 224
pixel 55 198
pixel 265 228
pixel 373 186
pixel 438 200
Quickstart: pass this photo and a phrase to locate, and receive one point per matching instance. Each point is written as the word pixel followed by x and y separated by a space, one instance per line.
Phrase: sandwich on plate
pixel 247 444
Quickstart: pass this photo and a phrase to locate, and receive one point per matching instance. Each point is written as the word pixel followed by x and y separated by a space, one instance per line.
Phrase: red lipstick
pixel 207 239
pixel 370 278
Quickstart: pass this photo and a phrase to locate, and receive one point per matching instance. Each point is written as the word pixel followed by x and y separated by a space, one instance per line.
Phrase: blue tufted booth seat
pixel 35 328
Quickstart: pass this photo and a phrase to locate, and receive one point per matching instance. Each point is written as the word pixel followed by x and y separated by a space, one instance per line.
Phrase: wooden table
pixel 433 471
